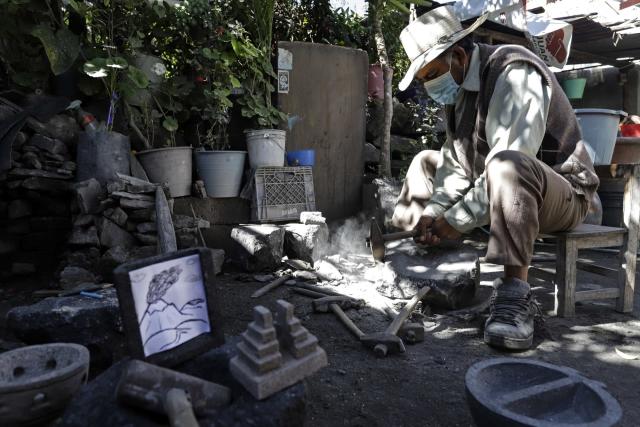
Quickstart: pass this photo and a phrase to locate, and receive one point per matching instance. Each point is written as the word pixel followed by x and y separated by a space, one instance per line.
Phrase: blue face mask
pixel 443 89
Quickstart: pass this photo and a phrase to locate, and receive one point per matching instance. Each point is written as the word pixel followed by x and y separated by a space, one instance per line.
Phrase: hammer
pixel 165 391
pixel 388 341
pixel 377 240
pixel 336 304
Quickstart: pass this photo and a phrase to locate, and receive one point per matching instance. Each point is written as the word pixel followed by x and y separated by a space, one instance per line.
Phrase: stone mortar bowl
pixel 36 382
pixel 522 392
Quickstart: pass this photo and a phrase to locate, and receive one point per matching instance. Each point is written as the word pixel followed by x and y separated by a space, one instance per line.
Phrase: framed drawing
pixel 169 306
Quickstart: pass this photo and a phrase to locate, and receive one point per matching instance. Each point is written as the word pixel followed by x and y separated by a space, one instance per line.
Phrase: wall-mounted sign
pixel 283 81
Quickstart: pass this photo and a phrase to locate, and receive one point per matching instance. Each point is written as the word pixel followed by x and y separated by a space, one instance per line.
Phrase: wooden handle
pixel 399 235
pixel 270 286
pixel 394 326
pixel 179 409
pixel 346 321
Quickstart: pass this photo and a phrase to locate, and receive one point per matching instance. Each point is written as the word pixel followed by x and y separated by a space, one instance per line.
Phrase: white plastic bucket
pixel 221 172
pixel 599 131
pixel 266 148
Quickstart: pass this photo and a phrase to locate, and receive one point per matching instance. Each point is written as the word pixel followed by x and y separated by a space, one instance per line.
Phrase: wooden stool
pixel 588 237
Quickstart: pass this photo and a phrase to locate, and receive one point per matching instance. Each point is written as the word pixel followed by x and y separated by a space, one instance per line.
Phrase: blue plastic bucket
pixel 301 158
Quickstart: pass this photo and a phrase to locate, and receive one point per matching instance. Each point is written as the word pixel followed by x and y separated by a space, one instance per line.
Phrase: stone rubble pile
pixel 35 194
pixel 115 225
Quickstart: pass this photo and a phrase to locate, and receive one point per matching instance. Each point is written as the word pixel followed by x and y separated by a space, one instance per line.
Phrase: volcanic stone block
pixel 146 239
pixel 261 368
pixel 84 220
pixel 89 193
pixel 258 247
pixel 112 259
pixel 136 204
pixel 111 235
pixel 285 408
pixel 61 126
pixel 84 237
pixel 51 145
pixel 184 221
pixel 186 240
pixel 47 223
pixel 22 268
pixel 72 276
pixel 86 258
pixel 312 218
pixel 142 215
pixel 306 242
pixel 31 160
pixel 51 240
pixel 218 260
pixel 116 215
pixel 227 211
pixel 7 245
pixel 19 209
pixel 17 226
pixel 453 274
pixel 94 323
pixel 146 227
pixel 46 185
pixel 48 205
pixel 293 337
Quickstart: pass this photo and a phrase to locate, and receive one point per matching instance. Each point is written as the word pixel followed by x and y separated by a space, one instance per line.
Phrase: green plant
pixel 35 40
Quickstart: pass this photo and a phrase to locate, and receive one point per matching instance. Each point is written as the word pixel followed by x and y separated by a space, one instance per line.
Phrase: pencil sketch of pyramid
pixel 167 323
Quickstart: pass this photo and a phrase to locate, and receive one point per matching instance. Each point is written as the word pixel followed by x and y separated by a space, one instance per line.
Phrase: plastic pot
pixel 221 172
pixel 599 131
pixel 171 165
pixel 301 158
pixel 574 88
pixel 266 147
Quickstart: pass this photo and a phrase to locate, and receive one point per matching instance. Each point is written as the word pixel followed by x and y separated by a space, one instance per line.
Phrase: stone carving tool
pixel 164 391
pixel 336 305
pixel 389 341
pixel 377 240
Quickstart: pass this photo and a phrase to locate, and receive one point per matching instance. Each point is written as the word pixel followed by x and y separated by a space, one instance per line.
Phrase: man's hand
pixel 425 236
pixel 432 231
pixel 444 230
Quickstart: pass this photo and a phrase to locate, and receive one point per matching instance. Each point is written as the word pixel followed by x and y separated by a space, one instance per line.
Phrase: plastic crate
pixel 282 193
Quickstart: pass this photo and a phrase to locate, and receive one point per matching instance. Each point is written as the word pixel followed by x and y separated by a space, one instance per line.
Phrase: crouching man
pixel 514 158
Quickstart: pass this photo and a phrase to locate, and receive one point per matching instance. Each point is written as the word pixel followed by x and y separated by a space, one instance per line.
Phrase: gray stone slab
pixel 84 237
pixel 136 204
pixel 72 276
pixel 146 239
pixel 19 209
pixel 132 196
pixel 116 215
pixel 46 185
pixel 94 323
pixel 51 145
pixel 306 242
pixel 453 274
pixel 258 247
pixel 286 408
pixel 112 235
pixel 89 194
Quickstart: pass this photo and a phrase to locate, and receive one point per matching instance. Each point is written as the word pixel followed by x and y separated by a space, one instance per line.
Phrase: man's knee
pixel 507 166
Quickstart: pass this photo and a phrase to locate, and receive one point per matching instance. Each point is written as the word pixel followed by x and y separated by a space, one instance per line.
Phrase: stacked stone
pixel 35 196
pixel 115 225
pixel 272 358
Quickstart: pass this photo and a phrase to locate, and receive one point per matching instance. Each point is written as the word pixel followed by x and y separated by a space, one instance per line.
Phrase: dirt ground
pixel 425 385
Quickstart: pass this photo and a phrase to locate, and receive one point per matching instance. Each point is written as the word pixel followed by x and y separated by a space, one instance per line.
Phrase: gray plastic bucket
pixel 599 131
pixel 101 155
pixel 266 147
pixel 171 165
pixel 221 172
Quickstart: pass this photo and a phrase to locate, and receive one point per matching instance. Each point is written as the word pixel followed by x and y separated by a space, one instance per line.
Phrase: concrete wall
pixel 326 103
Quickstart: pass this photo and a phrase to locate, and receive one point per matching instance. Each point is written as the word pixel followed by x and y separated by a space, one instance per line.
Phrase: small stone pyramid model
pixel 261 367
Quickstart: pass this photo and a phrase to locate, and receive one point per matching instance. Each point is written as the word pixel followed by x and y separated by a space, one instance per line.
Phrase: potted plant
pixel 266 145
pixel 159 118
pixel 220 169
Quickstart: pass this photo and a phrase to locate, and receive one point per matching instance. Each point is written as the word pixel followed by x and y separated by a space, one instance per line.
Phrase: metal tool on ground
pixel 319 289
pixel 336 305
pixel 274 284
pixel 165 391
pixel 411 332
pixel 389 341
pixel 377 240
pixel 308 293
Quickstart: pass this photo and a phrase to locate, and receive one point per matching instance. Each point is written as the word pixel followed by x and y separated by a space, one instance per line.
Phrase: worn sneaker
pixel 510 323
